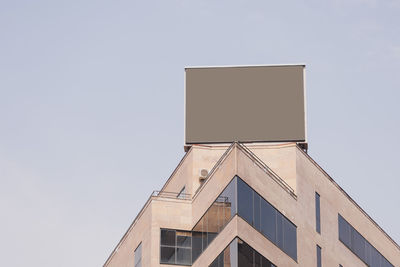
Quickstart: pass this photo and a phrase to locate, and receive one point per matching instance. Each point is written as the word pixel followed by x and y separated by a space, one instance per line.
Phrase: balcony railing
pixel 173 195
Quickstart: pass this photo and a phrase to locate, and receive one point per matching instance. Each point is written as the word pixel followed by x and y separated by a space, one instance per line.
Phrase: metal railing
pixel 172 195
pixel 155 194
pixel 257 161
pixel 267 169
pixel 217 165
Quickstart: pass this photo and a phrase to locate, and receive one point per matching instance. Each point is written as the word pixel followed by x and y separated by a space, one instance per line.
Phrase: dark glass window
pixel 375 259
pixel 168 237
pixel 205 229
pixel 358 244
pixel 197 248
pixel 182 193
pixel 368 253
pixel 168 255
pixel 176 247
pixel 290 238
pixel 272 224
pixel 257 259
pixel 240 254
pixel 344 232
pixel 385 263
pixel 279 230
pixel 183 239
pixel 245 254
pixel 245 201
pixel 138 256
pixel 257 211
pixel 237 198
pixel 317 212
pixel 214 220
pixel 319 259
pixel 349 236
pixel 268 220
pixel 228 198
pixel 183 256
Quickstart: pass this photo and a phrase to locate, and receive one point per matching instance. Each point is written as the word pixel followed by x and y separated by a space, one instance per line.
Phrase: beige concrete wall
pixel 281 158
pixel 204 157
pixel 213 187
pixel 123 256
pixel 312 179
pixel 160 213
pixel 199 157
pixel 182 176
pixel 292 165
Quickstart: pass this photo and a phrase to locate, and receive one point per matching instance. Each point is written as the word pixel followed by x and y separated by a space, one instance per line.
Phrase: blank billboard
pixel 246 104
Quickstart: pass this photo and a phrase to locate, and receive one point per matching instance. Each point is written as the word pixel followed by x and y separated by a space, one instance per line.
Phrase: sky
pixel 91 107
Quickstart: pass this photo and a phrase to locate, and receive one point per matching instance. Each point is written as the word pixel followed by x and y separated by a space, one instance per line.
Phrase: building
pixel 255 204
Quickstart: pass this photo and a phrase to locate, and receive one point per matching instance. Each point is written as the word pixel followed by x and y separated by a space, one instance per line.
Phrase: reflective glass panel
pixel 290 238
pixel 344 232
pixel 245 201
pixel 360 246
pixel 319 260
pixel 183 239
pixel 257 210
pixel 168 255
pixel 279 230
pixel 268 220
pixel 138 256
pixel 245 254
pixel 183 256
pixel 317 213
pixel 168 237
pixel 196 245
pixel 240 254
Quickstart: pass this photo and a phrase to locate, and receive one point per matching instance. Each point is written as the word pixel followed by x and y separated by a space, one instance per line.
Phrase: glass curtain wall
pixel 240 254
pixel 214 220
pixel 237 198
pixel 266 219
pixel 360 246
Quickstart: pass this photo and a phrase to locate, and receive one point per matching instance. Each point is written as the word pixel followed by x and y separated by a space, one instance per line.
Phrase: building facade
pixel 252 205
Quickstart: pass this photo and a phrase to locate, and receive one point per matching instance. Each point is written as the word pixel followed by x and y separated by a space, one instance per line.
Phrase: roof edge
pixel 247 66
pixel 349 197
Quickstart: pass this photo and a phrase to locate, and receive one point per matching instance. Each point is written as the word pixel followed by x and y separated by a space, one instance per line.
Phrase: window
pixel 237 198
pixel 354 241
pixel 344 231
pixel 265 218
pixel 214 220
pixel 317 213
pixel 138 256
pixel 268 221
pixel 239 253
pixel 176 247
pixel 245 201
pixel 290 238
pixel 319 260
pixel 182 193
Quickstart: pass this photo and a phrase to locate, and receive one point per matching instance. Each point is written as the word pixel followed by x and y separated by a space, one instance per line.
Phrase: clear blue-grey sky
pixel 91 107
